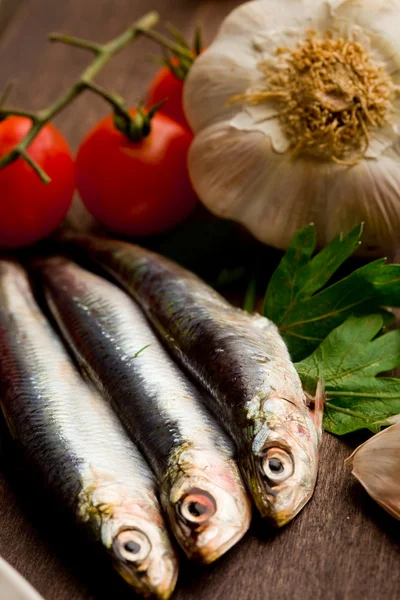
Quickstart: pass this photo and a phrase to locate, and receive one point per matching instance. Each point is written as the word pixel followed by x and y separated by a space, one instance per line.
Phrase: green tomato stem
pixel 44 178
pixel 116 101
pixel 77 42
pixel 177 34
pixel 103 53
pixel 16 112
pixel 177 49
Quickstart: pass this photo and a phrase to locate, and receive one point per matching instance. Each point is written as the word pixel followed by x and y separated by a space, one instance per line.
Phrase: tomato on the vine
pixel 167 84
pixel 136 188
pixel 30 210
pixel 169 87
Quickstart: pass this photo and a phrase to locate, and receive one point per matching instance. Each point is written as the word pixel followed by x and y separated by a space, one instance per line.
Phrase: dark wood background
pixel 342 546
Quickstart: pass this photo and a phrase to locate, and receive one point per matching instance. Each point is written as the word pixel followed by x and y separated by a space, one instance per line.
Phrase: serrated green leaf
pixel 348 362
pixel 281 293
pixel 306 311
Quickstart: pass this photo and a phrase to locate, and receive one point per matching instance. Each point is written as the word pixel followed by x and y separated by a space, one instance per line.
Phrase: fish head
pixel 284 459
pixel 207 505
pixel 142 563
pixel 141 552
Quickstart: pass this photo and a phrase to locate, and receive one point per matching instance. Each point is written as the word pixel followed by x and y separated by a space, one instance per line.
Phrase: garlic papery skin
pixel 246 163
pixel 376 465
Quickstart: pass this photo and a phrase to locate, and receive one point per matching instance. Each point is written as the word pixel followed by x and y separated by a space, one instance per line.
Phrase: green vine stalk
pixel 102 54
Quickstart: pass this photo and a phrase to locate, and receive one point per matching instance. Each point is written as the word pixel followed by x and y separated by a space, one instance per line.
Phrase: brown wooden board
pixel 342 546
pixel 7 9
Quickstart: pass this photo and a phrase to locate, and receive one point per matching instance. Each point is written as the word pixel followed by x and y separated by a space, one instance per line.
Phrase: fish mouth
pixel 147 583
pixel 162 579
pixel 150 573
pixel 282 474
pixel 208 543
pixel 208 523
pixel 277 503
pixel 209 554
pixel 280 517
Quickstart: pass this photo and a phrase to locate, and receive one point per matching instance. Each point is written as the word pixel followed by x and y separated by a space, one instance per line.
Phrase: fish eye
pixel 132 545
pixel 277 465
pixel 197 507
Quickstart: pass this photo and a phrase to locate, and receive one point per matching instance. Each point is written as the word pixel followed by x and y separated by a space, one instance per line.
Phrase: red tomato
pixel 167 86
pixel 136 188
pixel 30 210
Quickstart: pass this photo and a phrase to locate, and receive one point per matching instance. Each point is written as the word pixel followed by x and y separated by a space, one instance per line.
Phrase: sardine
pixel 200 486
pixel 74 441
pixel 242 362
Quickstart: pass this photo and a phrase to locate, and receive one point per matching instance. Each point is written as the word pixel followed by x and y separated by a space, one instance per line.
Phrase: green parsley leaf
pixel 305 309
pixel 348 362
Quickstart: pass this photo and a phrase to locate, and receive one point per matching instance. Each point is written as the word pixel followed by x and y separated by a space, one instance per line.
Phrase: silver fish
pixel 241 360
pixel 75 442
pixel 200 485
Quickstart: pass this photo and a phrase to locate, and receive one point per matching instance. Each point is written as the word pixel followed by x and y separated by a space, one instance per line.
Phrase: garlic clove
pixel 368 192
pixel 206 98
pixel 223 183
pixel 376 465
pixel 243 22
pixel 229 66
pixel 373 23
pixel 231 60
pixel 384 138
pixel 267 16
pixel 240 176
pixel 247 120
pixel 247 164
pixel 378 18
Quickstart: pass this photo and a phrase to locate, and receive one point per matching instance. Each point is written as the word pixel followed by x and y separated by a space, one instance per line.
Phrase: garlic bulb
pixel 295 109
pixel 376 464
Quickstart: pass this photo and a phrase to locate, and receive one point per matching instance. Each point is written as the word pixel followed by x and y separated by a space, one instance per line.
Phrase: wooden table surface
pixel 342 546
